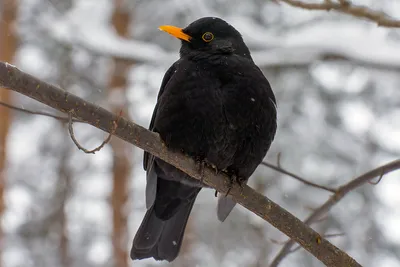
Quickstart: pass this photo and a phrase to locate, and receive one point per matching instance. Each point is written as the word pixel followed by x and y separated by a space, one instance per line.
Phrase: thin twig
pixel 93 151
pixel 335 198
pixel 277 242
pixel 323 218
pixel 295 176
pixel 42 113
pixel 334 235
pixel 346 7
pixel 278 160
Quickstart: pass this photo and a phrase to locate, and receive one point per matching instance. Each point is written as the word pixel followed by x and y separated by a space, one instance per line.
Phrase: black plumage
pixel 215 105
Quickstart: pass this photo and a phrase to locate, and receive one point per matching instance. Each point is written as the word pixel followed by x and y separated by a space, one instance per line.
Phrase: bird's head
pixel 210 35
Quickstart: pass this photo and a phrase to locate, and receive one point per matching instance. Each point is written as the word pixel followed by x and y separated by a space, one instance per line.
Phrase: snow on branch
pixel 346 7
pixel 13 79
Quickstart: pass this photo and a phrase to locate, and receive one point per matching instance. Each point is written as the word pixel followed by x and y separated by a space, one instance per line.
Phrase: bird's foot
pixel 201 163
pixel 240 180
pixel 234 178
pixel 216 193
pixel 214 167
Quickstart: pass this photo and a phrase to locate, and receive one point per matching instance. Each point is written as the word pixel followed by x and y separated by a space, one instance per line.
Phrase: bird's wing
pixel 148 159
pixel 226 203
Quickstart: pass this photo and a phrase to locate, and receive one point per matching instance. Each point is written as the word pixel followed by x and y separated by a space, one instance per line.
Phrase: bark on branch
pixel 16 80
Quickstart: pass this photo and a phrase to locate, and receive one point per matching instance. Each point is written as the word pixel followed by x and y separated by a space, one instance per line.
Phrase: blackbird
pixel 214 105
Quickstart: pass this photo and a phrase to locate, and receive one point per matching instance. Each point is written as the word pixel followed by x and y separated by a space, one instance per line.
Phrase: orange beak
pixel 176 32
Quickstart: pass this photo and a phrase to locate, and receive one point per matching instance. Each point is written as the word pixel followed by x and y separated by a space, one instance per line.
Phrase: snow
pixel 353 41
pixel 99 252
pixel 387 130
pixel 8 65
pixel 357 116
pixel 388 191
pixel 19 148
pixel 84 27
pixel 391 224
pixel 18 200
pixel 387 260
pixel 34 61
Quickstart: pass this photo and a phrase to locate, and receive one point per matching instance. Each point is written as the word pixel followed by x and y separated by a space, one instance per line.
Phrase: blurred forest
pixel 336 78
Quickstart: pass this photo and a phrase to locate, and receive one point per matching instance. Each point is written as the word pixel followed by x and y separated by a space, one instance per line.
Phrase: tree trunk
pixel 122 154
pixel 63 190
pixel 8 46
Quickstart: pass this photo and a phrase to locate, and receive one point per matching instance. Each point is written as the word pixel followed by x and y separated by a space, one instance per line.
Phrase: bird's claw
pixel 216 193
pixel 201 163
pixel 240 181
pixel 214 168
pixel 233 178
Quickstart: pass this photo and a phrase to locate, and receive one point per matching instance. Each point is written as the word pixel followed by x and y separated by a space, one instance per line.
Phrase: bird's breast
pixel 209 111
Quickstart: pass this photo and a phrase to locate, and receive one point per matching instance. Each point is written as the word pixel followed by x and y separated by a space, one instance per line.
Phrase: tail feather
pixel 149 231
pixel 224 207
pixel 161 239
pixel 171 238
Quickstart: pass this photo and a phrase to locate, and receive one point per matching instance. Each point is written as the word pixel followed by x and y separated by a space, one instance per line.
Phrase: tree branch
pixel 346 7
pixel 277 167
pixel 16 80
pixel 341 192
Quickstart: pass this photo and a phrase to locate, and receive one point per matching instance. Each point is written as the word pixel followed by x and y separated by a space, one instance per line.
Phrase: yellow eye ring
pixel 207 37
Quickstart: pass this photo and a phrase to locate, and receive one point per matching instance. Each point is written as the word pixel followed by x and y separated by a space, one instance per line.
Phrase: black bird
pixel 216 106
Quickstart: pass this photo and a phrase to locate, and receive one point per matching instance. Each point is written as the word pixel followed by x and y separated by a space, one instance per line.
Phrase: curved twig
pixel 79 146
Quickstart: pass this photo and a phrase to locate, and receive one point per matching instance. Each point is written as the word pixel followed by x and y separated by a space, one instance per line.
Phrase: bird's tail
pixel 161 239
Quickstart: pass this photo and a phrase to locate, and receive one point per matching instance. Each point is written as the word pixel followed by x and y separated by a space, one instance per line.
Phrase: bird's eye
pixel 207 37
